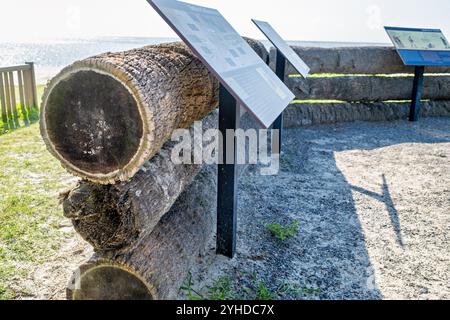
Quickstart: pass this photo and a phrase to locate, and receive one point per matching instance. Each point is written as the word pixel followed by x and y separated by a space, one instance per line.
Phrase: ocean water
pixel 51 55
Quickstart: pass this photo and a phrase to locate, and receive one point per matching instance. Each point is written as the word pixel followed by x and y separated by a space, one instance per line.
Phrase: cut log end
pixel 101 215
pixel 98 130
pixel 155 266
pixel 108 282
pixel 93 124
pixel 105 116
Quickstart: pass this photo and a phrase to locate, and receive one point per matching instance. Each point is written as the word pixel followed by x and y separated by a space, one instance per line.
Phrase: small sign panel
pixel 228 57
pixel 418 39
pixel 421 47
pixel 284 48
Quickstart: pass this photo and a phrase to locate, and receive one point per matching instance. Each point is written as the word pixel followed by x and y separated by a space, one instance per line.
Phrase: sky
pixel 307 20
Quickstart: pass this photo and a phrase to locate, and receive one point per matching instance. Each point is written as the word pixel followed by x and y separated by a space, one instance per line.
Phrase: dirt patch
pixel 373 202
pixel 49 280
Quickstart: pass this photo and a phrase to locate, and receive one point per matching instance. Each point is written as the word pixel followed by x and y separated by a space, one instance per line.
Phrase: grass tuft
pixel 223 289
pixel 283 232
pixel 30 116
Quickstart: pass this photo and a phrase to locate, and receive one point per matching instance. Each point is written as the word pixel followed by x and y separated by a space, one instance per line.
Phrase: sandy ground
pixel 49 280
pixel 373 202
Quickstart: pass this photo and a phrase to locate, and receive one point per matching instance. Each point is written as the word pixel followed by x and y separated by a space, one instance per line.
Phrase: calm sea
pixel 50 56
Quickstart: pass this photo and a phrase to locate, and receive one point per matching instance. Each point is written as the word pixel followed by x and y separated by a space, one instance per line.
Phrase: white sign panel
pixel 284 48
pixel 228 57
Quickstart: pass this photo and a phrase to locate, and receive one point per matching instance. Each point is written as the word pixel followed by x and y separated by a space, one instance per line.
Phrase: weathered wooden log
pixel 105 116
pixel 305 114
pixel 354 60
pixel 114 216
pixel 369 88
pixel 156 266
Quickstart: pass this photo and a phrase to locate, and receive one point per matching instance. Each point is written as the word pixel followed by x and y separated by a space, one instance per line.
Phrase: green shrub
pixel 283 232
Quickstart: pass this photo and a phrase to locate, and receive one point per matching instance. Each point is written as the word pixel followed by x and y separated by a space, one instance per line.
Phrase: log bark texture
pixel 354 60
pixel 156 266
pixel 114 216
pixel 369 88
pixel 105 116
pixel 306 114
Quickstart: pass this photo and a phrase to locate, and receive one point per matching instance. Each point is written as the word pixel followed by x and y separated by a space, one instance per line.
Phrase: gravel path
pixel 373 202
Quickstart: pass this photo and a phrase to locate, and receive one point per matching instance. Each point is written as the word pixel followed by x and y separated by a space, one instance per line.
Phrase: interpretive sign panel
pixel 283 47
pixel 228 57
pixel 420 47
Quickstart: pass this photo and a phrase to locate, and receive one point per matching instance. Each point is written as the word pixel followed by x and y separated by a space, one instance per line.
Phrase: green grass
pixel 342 101
pixel 282 232
pixel 220 290
pixel 395 75
pixel 30 216
pixel 263 293
pixel 247 287
pixel 296 290
pixel 31 116
pixel 317 101
pixel 223 289
pixel 333 75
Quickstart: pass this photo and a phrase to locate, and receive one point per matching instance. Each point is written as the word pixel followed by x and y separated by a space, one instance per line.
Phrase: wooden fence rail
pixel 18 96
pixel 353 60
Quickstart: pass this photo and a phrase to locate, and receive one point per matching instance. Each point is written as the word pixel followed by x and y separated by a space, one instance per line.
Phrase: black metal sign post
pixel 229 118
pixel 227 178
pixel 417 94
pixel 280 71
pixel 245 80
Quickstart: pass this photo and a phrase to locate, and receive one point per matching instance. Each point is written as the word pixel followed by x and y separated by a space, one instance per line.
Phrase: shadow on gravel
pixel 386 198
pixel 328 259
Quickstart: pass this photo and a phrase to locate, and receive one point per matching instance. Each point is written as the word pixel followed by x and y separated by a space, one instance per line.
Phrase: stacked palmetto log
pixel 368 83
pixel 108 119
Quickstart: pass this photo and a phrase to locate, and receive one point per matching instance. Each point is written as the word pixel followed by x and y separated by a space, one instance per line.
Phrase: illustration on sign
pixel 418 39
pixel 420 47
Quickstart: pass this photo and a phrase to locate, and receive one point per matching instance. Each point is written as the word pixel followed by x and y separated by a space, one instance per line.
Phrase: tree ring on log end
pixel 108 282
pixel 93 122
